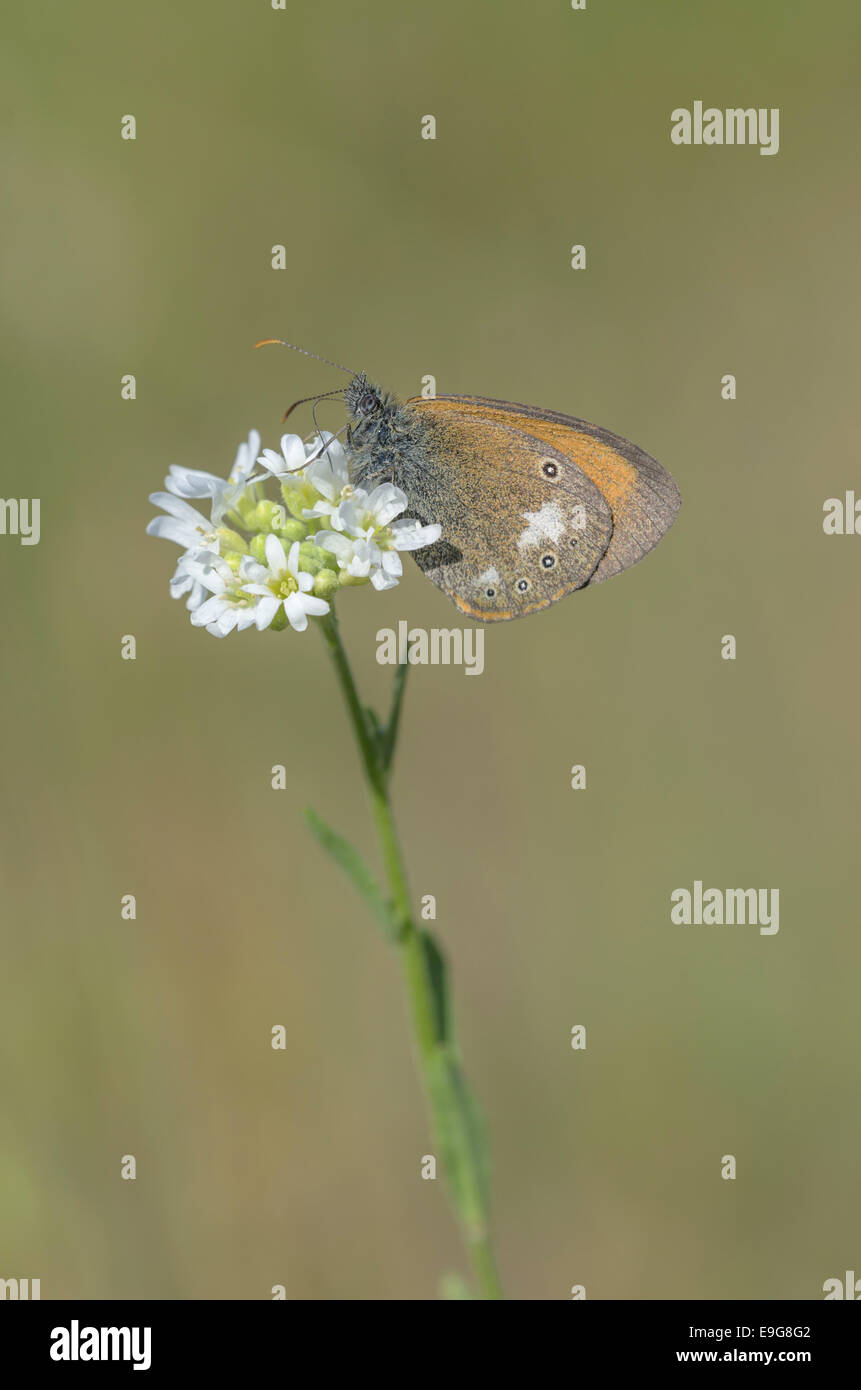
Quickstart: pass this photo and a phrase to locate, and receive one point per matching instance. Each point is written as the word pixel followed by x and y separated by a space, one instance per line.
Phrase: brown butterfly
pixel 533 504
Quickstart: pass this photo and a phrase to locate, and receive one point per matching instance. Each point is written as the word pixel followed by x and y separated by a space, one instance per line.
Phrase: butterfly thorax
pixel 386 439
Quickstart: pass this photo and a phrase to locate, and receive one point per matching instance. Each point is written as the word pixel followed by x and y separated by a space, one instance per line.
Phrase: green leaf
pixel 390 733
pixel 458 1123
pixel 375 728
pixel 461 1138
pixel 438 973
pixel 354 866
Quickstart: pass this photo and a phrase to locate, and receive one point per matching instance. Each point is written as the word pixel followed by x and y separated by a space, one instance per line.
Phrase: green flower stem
pixel 454 1121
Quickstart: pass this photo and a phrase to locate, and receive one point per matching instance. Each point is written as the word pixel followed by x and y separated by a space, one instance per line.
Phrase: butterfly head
pixel 363 399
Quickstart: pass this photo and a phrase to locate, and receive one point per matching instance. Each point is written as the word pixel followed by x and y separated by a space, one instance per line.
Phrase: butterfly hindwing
pixel 523 524
pixel 642 496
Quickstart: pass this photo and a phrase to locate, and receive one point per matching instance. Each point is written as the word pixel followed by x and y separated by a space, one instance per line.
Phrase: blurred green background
pixel 408 257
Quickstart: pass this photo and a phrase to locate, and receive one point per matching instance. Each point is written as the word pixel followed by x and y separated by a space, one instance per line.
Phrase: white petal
pixel 274 462
pixel 293 452
pixel 181 583
pixel 326 439
pixel 275 557
pixel 175 506
pixel 391 563
pixel 410 535
pixel 317 607
pixel 191 482
pixel 296 612
pixel 381 580
pixel 228 620
pixel 216 577
pixel 170 530
pixel 319 509
pixel 196 597
pixel 327 465
pixel 386 501
pixel 250 569
pixel 266 610
pixel 208 612
pixel 224 500
pixel 200 559
pixel 347 518
pixel 338 545
pixel 246 457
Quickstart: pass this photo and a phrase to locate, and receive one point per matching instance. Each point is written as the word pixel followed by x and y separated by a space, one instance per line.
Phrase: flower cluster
pixel 260 563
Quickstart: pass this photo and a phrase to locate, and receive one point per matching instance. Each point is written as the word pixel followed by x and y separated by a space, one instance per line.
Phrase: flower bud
pixel 326 583
pixel 299 497
pixel 231 539
pixel 258 549
pixel 244 505
pixel 268 516
pixel 292 531
pixel 313 558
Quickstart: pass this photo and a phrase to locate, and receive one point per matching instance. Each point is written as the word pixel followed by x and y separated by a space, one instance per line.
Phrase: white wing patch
pixel 489 576
pixel 547 524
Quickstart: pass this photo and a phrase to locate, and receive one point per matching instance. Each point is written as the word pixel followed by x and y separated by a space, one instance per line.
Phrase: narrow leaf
pixel 461 1138
pixel 438 972
pixel 375 728
pixel 354 866
pixel 390 733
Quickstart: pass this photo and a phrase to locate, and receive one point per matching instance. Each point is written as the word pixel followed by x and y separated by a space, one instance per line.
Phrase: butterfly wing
pixel 642 496
pixel 522 525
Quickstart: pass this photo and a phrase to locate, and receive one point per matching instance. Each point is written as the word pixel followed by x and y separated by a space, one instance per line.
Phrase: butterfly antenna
pixel 265 342
pixel 305 399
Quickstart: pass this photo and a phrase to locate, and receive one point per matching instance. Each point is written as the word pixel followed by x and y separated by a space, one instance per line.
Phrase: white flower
pixel 366 537
pixel 292 458
pixel 225 590
pixel 228 606
pixel 192 482
pixel 189 574
pixel 320 461
pixel 183 524
pixel 280 583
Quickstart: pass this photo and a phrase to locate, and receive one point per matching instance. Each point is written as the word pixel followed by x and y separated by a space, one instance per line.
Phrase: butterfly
pixel 533 504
